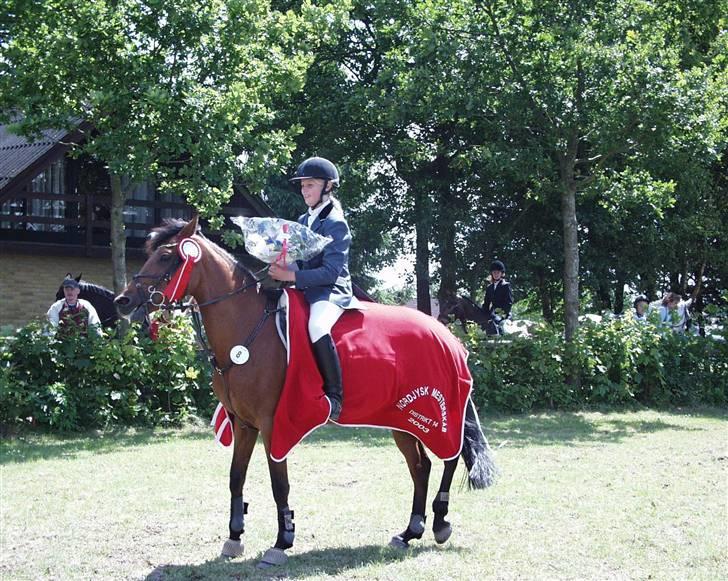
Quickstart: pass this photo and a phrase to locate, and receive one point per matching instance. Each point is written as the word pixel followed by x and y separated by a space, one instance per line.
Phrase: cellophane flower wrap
pixel 281 241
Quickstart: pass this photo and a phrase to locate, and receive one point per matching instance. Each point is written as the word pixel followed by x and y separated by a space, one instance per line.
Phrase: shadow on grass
pixel 560 428
pixel 551 428
pixel 342 561
pixel 34 445
pixel 38 445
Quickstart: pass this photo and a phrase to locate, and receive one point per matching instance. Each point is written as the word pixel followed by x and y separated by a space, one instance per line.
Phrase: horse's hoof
pixel 398 543
pixel 443 534
pixel 232 548
pixel 273 558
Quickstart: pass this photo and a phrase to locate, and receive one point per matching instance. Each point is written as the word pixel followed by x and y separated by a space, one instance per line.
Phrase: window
pixel 37 201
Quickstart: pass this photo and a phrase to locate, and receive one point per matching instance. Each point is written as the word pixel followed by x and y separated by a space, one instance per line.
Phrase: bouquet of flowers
pixel 277 240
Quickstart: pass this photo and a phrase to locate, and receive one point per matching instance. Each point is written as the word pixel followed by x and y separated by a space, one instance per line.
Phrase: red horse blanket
pixel 401 370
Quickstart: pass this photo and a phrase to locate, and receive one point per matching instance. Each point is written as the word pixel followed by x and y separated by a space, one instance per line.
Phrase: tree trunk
pixel 422 253
pixel 649 285
pixel 675 282
pixel 684 278
pixel 118 236
pixel 571 259
pixel 619 293
pixel 547 308
pixel 604 297
pixel 448 258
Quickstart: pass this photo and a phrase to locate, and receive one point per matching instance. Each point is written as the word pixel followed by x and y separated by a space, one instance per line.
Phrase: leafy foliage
pixel 184 92
pixel 619 362
pixel 462 124
pixel 84 382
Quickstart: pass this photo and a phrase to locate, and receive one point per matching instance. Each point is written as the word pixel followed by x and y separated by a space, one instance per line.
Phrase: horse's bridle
pixel 156 297
pixel 161 304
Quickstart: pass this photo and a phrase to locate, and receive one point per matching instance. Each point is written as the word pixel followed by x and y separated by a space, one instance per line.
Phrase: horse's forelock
pixel 163 234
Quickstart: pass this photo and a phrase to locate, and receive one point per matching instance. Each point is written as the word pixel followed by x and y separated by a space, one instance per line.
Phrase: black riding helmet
pixel 497 265
pixel 318 168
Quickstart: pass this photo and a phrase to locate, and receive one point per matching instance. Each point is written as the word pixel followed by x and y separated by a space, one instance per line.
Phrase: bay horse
pixel 464 309
pixel 231 306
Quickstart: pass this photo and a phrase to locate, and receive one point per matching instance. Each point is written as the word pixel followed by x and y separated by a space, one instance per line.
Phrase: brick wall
pixel 28 283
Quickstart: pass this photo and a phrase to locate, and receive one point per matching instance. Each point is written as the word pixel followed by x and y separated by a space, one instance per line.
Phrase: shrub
pixel 615 362
pixel 89 382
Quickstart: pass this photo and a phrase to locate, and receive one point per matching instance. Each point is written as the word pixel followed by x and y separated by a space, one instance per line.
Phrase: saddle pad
pixel 402 370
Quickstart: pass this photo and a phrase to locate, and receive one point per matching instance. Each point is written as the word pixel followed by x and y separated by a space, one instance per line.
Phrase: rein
pixel 170 300
pixel 205 346
pixel 160 299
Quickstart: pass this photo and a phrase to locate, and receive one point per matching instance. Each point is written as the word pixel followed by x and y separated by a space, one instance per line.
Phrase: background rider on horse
pixel 498 296
pixel 71 313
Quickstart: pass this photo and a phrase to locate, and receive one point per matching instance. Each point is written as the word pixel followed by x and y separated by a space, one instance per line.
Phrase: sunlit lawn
pixel 581 496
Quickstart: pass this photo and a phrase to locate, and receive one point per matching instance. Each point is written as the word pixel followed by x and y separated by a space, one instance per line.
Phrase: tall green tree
pixel 184 92
pixel 553 133
pixel 590 86
pixel 390 95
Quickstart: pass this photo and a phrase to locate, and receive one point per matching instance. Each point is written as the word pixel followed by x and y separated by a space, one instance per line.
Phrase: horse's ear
pixel 78 278
pixel 190 229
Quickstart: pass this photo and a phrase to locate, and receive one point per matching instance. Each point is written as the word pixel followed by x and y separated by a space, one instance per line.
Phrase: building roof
pixel 17 153
pixel 21 158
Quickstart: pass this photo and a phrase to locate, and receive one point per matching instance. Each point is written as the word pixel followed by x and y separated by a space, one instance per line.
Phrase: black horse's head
pixel 450 308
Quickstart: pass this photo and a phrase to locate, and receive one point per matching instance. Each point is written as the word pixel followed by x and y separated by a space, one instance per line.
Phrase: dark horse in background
pixel 464 309
pixel 102 300
pixel 229 302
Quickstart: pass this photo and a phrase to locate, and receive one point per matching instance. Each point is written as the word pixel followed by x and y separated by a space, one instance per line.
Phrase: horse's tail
pixel 476 452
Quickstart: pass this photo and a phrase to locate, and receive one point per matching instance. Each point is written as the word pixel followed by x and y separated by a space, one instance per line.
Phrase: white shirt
pixel 680 317
pixel 314 212
pixel 55 311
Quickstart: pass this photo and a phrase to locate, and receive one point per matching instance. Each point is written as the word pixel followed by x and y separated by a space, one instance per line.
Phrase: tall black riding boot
pixel 328 363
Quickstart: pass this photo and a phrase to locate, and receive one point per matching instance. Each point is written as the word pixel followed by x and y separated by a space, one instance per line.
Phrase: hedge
pixel 614 363
pixel 101 381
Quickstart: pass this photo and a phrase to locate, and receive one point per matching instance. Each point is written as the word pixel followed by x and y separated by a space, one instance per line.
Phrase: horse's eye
pixel 165 257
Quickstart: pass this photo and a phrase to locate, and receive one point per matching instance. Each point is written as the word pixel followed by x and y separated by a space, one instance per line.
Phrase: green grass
pixel 635 495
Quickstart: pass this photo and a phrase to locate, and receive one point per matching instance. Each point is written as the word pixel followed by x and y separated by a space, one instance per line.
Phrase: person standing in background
pixel 71 313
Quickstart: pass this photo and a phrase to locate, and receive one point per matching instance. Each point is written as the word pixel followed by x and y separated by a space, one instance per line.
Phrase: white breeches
pixel 323 316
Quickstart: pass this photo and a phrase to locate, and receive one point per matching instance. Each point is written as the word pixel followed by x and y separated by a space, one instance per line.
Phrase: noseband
pixel 154 296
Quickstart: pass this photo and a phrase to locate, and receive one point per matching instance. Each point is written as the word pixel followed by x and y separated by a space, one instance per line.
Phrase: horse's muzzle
pixel 124 305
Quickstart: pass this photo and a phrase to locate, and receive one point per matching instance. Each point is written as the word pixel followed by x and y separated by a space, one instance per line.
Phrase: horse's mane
pixel 90 288
pixel 168 229
pixel 468 299
pixel 171 227
pixel 96 289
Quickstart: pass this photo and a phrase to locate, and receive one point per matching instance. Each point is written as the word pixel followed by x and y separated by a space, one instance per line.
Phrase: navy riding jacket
pixel 326 276
pixel 500 297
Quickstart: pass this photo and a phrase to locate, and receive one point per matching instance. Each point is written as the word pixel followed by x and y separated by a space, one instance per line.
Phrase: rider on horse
pixel 324 279
pixel 498 295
